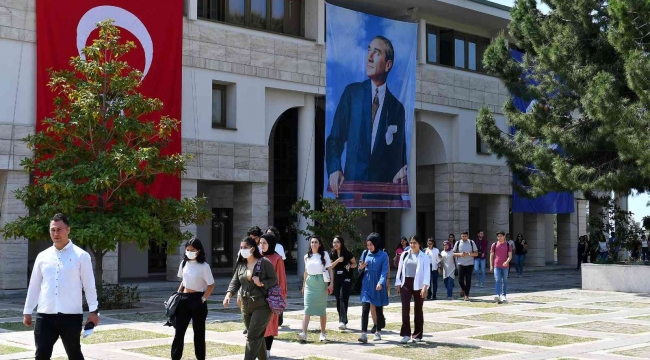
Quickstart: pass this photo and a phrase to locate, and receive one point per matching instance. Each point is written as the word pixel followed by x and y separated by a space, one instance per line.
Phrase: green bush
pixel 116 296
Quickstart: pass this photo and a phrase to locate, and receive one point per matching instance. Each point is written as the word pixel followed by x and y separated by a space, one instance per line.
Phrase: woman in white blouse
pixel 195 289
pixel 315 287
pixel 412 281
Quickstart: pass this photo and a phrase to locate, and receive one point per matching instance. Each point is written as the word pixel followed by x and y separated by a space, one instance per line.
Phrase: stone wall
pixel 13 252
pixel 12 149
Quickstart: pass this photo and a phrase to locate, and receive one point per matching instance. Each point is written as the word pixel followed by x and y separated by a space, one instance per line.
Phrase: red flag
pixel 64 27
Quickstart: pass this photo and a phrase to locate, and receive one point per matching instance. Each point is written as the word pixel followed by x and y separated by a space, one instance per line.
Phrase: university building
pixel 253 115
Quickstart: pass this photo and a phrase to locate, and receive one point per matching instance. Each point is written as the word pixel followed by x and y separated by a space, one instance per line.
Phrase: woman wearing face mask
pixel 268 243
pixel 374 293
pixel 412 281
pixel 195 289
pixel 343 264
pixel 448 268
pixel 253 276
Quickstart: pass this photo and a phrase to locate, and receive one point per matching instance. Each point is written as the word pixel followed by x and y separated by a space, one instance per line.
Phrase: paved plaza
pixel 547 317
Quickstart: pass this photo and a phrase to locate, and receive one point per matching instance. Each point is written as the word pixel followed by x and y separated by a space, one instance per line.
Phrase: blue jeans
pixel 433 285
pixel 603 255
pixel 479 268
pixel 501 279
pixel 519 263
pixel 449 285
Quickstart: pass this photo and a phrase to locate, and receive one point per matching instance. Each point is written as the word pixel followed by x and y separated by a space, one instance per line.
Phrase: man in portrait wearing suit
pixel 371 122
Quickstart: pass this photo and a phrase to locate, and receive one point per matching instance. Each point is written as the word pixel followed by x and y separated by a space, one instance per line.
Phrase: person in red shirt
pixel 500 257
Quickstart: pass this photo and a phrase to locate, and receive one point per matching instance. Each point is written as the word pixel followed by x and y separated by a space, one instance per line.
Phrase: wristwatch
pixel 96 312
pixel 204 299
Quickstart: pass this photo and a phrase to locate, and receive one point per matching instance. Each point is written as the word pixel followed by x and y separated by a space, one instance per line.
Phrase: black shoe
pixel 374 329
pixel 245 332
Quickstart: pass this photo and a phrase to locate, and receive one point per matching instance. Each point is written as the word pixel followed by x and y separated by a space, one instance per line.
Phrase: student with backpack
pixel 500 258
pixel 465 251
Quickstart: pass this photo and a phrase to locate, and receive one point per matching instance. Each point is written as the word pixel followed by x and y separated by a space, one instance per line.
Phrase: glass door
pixel 222 255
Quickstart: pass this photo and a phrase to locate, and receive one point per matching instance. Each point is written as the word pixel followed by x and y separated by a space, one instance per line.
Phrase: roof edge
pixel 492 4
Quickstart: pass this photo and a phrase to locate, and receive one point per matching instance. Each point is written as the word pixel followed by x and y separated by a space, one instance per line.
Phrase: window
pixel 218 106
pixel 281 16
pixel 481 147
pixel 451 48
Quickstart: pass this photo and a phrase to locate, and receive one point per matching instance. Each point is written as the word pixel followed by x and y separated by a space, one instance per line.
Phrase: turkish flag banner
pixel 65 27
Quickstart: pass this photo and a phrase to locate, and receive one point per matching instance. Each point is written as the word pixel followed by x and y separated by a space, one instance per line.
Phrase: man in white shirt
pixel 60 272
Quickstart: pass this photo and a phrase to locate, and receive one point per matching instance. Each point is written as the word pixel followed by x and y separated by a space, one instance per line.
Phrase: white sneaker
pixel 497 299
pixel 322 338
pixel 416 340
pixel 342 326
pixel 377 337
pixel 405 340
pixel 363 338
pixel 302 337
pixel 268 354
pixel 503 298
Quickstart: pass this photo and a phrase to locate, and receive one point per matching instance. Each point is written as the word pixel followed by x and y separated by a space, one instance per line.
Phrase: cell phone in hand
pixel 89 328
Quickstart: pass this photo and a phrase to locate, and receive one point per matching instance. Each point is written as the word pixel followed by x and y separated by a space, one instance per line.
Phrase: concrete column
pixel 422 41
pixel 567 235
pixel 498 216
pixel 306 168
pixel 409 216
pixel 535 235
pixel 13 252
pixel 189 189
pixel 550 238
pixel 582 217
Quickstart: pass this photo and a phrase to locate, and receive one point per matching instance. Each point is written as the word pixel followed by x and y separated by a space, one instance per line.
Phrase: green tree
pixel 98 147
pixel 334 219
pixel 587 66
pixel 613 219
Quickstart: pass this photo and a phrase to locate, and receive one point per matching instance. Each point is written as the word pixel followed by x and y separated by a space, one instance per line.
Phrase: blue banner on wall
pixel 371 68
pixel 551 203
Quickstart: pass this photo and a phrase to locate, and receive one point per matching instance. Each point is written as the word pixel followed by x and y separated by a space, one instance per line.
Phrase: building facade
pixel 253 116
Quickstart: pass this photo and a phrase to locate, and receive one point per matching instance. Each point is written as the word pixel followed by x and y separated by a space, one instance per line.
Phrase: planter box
pixel 613 277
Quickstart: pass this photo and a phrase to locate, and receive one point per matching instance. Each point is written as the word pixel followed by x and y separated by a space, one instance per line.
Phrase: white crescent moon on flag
pixel 123 19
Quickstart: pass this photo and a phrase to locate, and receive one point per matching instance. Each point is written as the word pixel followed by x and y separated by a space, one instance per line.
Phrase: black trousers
pixel 189 308
pixel 342 291
pixel 48 329
pixel 406 293
pixel 365 310
pixel 465 277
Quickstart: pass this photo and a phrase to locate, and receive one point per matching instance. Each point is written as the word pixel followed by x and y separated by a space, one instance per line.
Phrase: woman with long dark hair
pixel 253 277
pixel 195 289
pixel 401 247
pixel 343 263
pixel 315 287
pixel 374 293
pixel 412 282
pixel 521 248
pixel 268 242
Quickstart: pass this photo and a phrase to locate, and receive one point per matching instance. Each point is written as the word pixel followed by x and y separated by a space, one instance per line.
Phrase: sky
pixel 636 203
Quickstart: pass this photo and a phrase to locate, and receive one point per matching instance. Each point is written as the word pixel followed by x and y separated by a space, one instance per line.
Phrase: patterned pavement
pixel 547 317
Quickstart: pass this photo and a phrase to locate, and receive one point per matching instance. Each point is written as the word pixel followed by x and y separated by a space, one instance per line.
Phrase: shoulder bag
pixel 273 295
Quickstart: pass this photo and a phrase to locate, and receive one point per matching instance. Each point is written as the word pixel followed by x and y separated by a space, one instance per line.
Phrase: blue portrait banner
pixel 551 203
pixel 371 74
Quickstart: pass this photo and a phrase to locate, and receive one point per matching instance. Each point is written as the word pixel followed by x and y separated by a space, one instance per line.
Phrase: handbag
pixel 359 283
pixel 326 276
pixel 273 295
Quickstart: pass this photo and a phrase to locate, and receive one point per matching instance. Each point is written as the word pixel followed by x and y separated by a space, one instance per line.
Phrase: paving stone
pixel 534 338
pixel 609 327
pixel 436 351
pixel 212 350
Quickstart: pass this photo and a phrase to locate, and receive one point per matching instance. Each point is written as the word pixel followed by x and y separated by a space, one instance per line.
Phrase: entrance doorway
pixel 157 258
pixel 222 254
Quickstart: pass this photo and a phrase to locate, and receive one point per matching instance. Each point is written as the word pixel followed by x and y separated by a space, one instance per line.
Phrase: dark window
pixel 218 106
pixel 282 16
pixel 481 147
pixel 379 224
pixel 451 48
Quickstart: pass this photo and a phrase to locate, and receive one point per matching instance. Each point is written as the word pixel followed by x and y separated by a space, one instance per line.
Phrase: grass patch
pixel 501 318
pixel 333 337
pixel 642 318
pixel 436 351
pixel 140 317
pixel 17 326
pixel 640 352
pixel 224 326
pixel 119 335
pixel 429 327
pixel 484 304
pixel 426 310
pixel 212 350
pixel 569 311
pixel 622 304
pixel 10 313
pixel 539 299
pixel 534 338
pixel 331 316
pixel 609 327
pixel 6 349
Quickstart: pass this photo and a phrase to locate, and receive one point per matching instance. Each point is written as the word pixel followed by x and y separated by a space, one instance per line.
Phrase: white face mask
pixel 245 253
pixel 191 254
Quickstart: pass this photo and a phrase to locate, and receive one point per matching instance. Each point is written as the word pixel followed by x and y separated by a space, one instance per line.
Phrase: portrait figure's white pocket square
pixel 392 129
